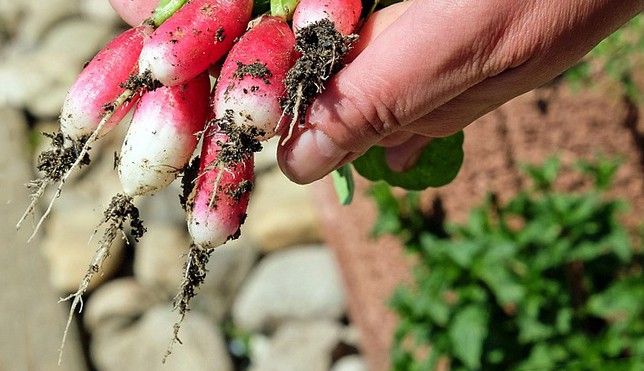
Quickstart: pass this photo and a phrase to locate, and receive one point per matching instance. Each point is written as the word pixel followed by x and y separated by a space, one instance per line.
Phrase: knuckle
pixel 376 109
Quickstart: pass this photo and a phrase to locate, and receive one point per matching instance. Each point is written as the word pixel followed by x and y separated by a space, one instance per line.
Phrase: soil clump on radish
pixel 255 69
pixel 143 81
pixel 242 139
pixel 323 50
pixel 55 162
pixel 189 175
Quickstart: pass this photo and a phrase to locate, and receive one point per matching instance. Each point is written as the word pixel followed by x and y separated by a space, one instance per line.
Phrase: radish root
pixel 194 276
pixel 120 210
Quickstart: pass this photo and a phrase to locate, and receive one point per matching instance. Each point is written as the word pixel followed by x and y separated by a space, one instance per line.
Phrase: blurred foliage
pixel 616 55
pixel 238 342
pixel 548 280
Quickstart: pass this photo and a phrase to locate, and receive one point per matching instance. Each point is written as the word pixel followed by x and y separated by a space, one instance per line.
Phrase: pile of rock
pixel 273 300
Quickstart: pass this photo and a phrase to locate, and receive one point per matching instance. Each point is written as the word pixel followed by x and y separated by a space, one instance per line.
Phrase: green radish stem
pixel 283 8
pixel 165 10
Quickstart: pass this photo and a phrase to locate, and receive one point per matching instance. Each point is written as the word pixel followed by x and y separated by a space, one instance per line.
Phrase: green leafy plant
pixel 548 280
pixel 615 57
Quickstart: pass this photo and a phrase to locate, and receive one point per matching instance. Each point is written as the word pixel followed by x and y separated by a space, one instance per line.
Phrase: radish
pixel 245 110
pixel 201 33
pixel 217 204
pixel 92 95
pixel 95 103
pixel 193 38
pixel 163 135
pixel 344 14
pixel 323 30
pixel 251 80
pixel 158 145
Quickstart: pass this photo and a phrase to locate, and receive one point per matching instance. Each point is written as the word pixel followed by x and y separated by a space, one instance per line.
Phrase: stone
pixel 48 104
pixel 164 207
pixel 299 345
pixel 160 257
pixel 100 11
pixel 117 302
pixel 352 362
pixel 266 159
pixel 89 37
pixel 25 77
pixel 31 319
pixel 65 244
pixel 143 344
pixel 11 14
pixel 280 213
pixel 42 16
pixel 298 283
pixel 40 77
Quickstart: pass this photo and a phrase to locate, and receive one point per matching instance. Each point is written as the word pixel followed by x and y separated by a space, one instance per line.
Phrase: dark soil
pixel 189 174
pixel 242 140
pixel 323 50
pixel 143 81
pixel 255 69
pixel 55 162
pixel 120 210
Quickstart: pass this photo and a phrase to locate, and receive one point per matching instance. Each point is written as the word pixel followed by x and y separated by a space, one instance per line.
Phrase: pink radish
pixel 158 145
pixel 246 105
pixel 163 135
pixel 217 205
pixel 344 14
pixel 193 38
pixel 92 95
pixel 251 80
pixel 95 104
pixel 246 109
pixel 134 12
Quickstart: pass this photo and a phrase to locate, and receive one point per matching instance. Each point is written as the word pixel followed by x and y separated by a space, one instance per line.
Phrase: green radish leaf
pixel 344 185
pixel 437 166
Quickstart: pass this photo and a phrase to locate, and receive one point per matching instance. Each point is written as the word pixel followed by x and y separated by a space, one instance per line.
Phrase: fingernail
pixel 311 156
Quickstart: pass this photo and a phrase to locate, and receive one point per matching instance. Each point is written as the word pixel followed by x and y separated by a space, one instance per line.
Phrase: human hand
pixel 424 69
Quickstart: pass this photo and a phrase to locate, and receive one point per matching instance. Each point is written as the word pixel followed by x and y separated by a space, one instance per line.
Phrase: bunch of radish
pixel 268 73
